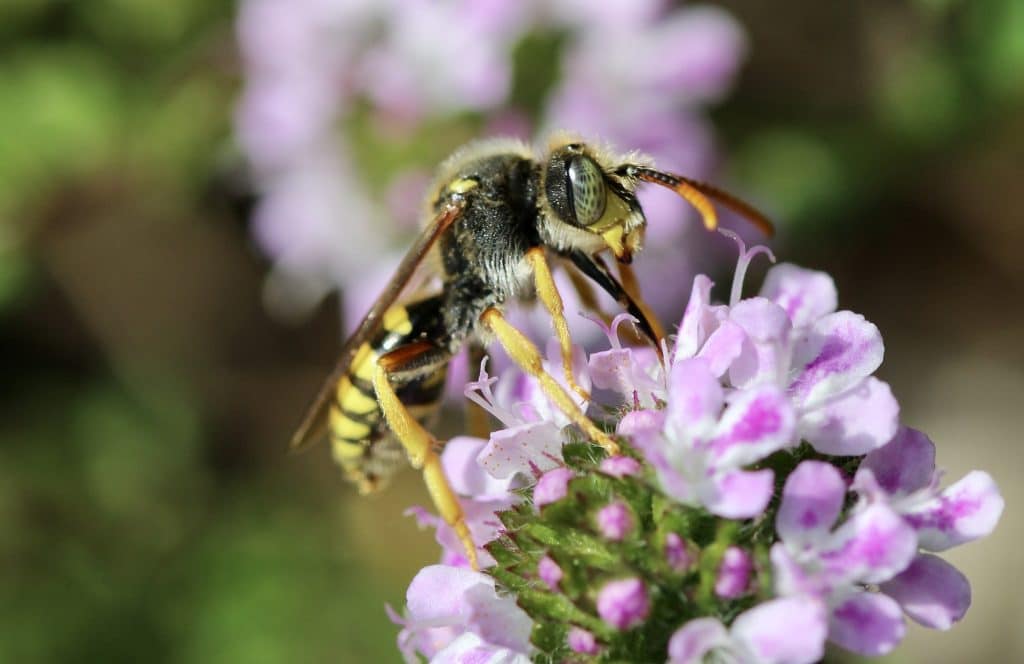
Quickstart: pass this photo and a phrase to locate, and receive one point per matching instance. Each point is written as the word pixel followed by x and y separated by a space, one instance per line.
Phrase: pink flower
pixel 699 450
pixel 482 497
pixel 872 546
pixel 781 631
pixel 902 475
pixel 443 604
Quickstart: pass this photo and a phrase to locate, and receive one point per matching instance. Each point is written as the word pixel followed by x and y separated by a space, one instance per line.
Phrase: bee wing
pixel 315 420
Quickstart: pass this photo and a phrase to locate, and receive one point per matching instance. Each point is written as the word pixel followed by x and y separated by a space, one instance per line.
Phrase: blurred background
pixel 196 195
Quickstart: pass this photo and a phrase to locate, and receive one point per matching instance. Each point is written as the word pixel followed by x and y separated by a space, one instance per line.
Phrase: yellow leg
pixel 525 354
pixel 421 446
pixel 549 295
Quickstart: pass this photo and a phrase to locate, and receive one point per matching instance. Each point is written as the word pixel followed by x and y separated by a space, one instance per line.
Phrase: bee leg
pixel 587 295
pixel 632 288
pixel 524 353
pixel 477 421
pixel 421 447
pixel 552 299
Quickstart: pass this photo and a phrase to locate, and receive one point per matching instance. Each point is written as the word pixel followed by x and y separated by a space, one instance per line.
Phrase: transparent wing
pixel 314 423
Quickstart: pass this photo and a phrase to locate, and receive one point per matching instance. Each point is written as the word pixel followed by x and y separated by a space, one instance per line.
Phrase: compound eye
pixel 588 193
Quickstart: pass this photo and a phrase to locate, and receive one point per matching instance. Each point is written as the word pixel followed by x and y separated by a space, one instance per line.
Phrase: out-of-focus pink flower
pixel 549 572
pixel 614 521
pixel 780 631
pixel 583 642
pixel 734 573
pixel 623 604
pixel 552 487
pixel 446 603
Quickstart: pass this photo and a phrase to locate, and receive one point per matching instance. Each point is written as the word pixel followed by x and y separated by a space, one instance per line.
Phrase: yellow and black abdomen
pixel 360 440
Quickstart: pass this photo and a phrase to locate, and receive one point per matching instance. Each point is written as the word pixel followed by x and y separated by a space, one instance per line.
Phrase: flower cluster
pixel 768 501
pixel 331 83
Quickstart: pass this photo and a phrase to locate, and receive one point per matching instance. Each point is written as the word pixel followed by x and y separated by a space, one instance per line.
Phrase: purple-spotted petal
pixel 963 512
pixel 854 423
pixel 931 591
pixel 695 639
pixel 522 449
pixel 837 352
pixel 738 494
pixel 723 347
pixel 811 501
pixel 790 630
pixel 695 395
pixel 756 423
pixel 765 353
pixel 867 624
pixel 874 545
pixel 464 473
pixel 902 466
pixel 805 295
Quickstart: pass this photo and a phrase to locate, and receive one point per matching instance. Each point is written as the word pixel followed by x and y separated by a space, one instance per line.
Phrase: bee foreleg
pixel 632 288
pixel 524 353
pixel 548 293
pixel 421 447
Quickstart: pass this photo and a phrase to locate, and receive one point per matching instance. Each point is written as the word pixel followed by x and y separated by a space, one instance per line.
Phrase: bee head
pixel 590 204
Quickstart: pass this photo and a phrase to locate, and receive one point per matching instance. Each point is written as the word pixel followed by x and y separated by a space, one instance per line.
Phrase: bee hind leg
pixel 524 353
pixel 420 445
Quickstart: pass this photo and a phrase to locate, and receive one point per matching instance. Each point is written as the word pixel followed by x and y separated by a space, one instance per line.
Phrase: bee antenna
pixel 698 193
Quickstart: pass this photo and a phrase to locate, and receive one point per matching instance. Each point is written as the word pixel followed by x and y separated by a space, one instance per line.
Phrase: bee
pixel 497 213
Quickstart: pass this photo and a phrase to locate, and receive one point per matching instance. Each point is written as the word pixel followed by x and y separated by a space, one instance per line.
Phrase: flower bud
pixel 552 487
pixel 583 642
pixel 549 572
pixel 677 553
pixel 623 604
pixel 620 466
pixel 615 521
pixel 734 573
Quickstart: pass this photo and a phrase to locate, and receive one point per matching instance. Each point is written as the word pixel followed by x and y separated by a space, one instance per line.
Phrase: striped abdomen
pixel 360 440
